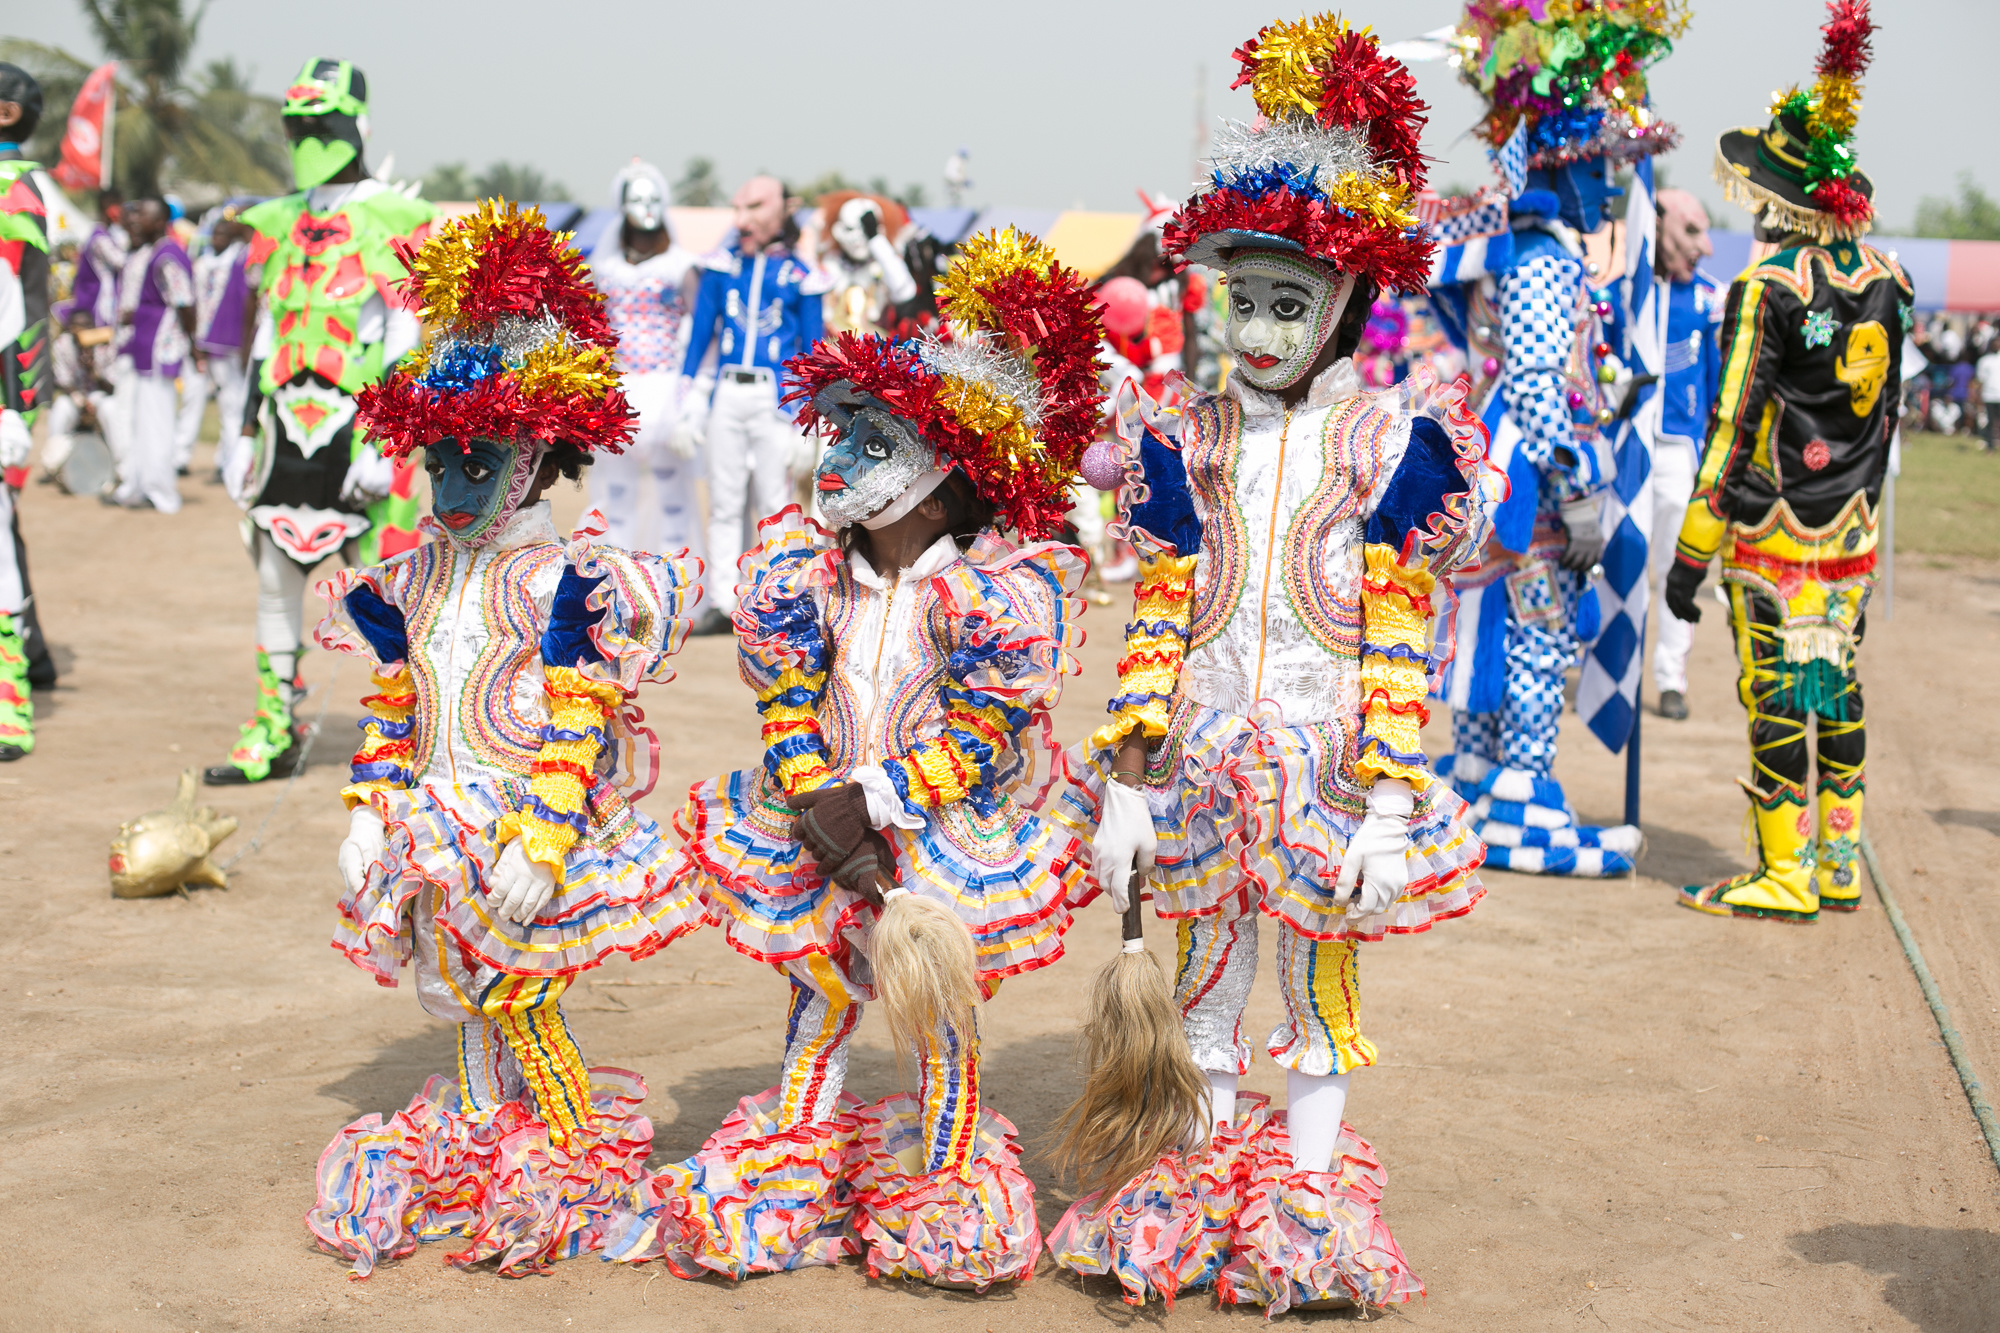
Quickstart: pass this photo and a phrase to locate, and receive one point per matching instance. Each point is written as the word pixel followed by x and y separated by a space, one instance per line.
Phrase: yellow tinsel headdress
pixel 522 348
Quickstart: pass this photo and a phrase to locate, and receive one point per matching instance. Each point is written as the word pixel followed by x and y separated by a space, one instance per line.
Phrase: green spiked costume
pixel 331 326
pixel 24 319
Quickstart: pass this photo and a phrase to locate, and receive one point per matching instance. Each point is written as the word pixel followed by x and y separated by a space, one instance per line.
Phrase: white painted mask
pixel 850 232
pixel 1282 309
pixel 645 207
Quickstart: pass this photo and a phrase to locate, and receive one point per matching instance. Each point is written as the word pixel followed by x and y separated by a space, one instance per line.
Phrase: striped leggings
pixel 1213 973
pixel 817 1034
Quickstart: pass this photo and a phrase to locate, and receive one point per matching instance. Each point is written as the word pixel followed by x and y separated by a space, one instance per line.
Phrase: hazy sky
pixel 1061 104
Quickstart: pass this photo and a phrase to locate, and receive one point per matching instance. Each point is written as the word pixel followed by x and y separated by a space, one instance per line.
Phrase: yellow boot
pixel 1839 848
pixel 1782 885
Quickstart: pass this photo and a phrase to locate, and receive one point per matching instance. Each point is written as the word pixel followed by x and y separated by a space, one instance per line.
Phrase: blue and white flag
pixel 1608 692
pixel 1511 160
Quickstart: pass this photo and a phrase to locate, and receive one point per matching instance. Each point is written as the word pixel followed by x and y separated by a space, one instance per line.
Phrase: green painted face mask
pixel 317 161
pixel 325 109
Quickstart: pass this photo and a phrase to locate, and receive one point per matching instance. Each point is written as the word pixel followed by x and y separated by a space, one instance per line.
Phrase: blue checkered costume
pixel 1504 726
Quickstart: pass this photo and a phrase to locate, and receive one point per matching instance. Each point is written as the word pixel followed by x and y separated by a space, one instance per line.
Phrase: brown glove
pixel 871 867
pixel 831 824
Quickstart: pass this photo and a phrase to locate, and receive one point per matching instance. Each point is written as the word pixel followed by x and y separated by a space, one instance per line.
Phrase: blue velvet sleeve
pixel 1428 474
pixel 1168 511
pixel 380 623
pixel 566 642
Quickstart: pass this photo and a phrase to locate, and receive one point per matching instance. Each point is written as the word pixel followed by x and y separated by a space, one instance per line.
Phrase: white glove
pixel 16 441
pixel 233 459
pixel 690 430
pixel 369 476
pixel 522 886
pixel 1376 852
pixel 366 840
pixel 1124 841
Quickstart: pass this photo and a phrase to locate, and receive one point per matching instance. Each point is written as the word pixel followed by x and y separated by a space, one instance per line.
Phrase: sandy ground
pixel 1596 1109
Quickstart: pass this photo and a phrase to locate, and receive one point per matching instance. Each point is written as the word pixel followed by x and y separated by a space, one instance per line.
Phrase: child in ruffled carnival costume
pixel 905 665
pixel 1264 755
pixel 492 840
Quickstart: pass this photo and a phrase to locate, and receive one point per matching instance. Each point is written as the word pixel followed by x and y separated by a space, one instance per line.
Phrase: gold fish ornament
pixel 167 850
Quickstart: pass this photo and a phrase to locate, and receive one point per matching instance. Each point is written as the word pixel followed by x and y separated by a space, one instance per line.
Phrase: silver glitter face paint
pixel 872 462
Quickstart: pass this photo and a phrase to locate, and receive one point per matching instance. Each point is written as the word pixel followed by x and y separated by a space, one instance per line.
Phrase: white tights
pixel 1314 1105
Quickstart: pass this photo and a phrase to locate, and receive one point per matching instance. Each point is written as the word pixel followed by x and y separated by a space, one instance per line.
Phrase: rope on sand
pixel 1982 1110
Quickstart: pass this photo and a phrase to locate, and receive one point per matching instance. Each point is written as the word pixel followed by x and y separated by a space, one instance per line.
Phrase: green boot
pixel 267 747
pixel 17 709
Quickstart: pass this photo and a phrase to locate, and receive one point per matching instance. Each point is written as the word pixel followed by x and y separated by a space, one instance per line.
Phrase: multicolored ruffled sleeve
pixel 365 618
pixel 1158 518
pixel 1017 613
pixel 614 620
pixel 782 648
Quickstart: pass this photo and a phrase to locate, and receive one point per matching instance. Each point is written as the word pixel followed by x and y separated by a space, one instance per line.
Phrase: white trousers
pixel 750 447
pixel 1673 484
pixel 671 521
pixel 64 412
pixel 114 410
pixel 281 612
pixel 227 383
pixel 147 469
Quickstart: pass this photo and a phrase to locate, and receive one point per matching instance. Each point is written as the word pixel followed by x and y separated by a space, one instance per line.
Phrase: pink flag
pixel 86 147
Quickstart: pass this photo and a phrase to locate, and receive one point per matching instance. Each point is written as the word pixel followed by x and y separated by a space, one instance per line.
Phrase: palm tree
pixel 208 139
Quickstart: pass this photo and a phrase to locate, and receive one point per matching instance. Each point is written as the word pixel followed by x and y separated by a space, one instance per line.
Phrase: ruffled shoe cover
pixel 1169 1229
pixel 494 1181
pixel 965 1228
pixel 1528 825
pixel 1306 1237
pixel 757 1197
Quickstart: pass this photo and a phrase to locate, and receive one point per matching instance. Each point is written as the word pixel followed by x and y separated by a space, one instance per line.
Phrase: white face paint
pixel 848 230
pixel 645 207
pixel 1282 309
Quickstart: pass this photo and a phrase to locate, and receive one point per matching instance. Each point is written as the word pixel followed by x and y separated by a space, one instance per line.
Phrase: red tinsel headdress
pixel 1330 166
pixel 522 347
pixel 1008 391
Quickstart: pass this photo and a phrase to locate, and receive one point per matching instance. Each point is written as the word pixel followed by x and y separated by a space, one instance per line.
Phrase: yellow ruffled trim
pixel 1396 611
pixel 390 684
pixel 1164 592
pixel 576 703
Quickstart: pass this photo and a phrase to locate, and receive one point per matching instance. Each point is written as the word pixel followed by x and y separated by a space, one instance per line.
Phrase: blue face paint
pixel 475 486
pixel 872 462
pixel 1579 190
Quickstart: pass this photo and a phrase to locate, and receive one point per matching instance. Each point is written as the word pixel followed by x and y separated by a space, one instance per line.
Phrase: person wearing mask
pixel 648 281
pixel 1791 480
pixel 1693 366
pixel 1540 336
pixel 155 337
pixel 758 306
pixel 24 342
pixel 331 324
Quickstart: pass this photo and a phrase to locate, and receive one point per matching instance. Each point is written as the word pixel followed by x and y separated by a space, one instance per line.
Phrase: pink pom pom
pixel 1490 366
pixel 1122 305
pixel 1101 468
